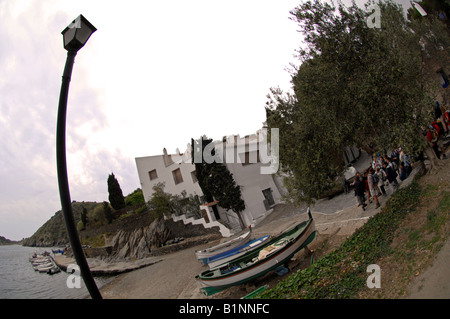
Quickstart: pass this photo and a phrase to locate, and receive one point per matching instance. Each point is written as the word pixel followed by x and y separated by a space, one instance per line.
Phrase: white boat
pixel 45 269
pixel 41 266
pixel 203 255
pixel 38 259
pixel 41 261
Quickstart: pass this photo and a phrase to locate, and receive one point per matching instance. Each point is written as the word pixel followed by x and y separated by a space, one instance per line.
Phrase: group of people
pixel 383 171
pixel 438 129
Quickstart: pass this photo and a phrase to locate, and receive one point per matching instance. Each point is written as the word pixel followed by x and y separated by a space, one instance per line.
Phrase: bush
pixel 96 217
pixel 135 198
pixel 80 226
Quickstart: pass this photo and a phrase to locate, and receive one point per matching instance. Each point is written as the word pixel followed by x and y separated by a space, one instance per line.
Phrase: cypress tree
pixel 217 182
pixel 115 193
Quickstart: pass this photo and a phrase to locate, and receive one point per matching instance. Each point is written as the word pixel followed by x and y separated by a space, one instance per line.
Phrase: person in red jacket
pixel 432 137
pixel 446 117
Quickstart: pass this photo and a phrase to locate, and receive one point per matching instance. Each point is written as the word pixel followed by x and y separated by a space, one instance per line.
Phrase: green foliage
pixel 115 193
pixel 95 241
pixel 97 216
pixel 160 204
pixel 80 226
pixel 135 198
pixel 107 211
pixel 141 209
pixel 163 203
pixel 356 85
pixel 342 273
pixel 84 219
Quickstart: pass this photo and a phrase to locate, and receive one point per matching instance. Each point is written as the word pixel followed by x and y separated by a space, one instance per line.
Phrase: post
pixel 63 181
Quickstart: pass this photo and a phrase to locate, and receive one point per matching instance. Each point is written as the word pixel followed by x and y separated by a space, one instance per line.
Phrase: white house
pixel 243 158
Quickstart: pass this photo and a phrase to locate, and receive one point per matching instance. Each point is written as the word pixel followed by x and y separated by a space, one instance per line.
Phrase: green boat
pixel 278 251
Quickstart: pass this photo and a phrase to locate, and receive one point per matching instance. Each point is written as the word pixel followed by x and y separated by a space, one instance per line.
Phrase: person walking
pixel 381 180
pixel 360 189
pixel 391 175
pixel 372 187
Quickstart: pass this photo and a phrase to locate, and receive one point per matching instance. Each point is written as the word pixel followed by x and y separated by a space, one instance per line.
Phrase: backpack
pixel 375 178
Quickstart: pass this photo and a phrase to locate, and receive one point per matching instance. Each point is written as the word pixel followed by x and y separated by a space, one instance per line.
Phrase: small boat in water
pixel 277 251
pixel 41 261
pixel 53 270
pixel 44 264
pixel 203 255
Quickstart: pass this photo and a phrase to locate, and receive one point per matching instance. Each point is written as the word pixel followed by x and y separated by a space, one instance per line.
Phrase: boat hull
pixel 203 255
pixel 218 260
pixel 263 266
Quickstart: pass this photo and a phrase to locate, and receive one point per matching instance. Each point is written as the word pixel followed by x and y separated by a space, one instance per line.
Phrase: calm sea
pixel 18 280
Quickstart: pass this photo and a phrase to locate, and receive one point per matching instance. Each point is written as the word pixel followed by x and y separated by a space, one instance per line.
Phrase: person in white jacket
pixel 381 180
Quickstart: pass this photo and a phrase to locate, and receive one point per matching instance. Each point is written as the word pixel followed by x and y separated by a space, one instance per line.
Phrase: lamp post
pixel 75 37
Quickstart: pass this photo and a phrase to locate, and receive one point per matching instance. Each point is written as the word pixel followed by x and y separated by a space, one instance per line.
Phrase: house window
pixel 177 176
pixel 152 174
pixel 194 177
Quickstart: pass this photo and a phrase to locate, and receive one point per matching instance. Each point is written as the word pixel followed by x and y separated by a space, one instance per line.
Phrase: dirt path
pixel 434 283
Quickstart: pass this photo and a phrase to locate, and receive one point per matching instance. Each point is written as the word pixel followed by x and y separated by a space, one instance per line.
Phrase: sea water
pixel 18 279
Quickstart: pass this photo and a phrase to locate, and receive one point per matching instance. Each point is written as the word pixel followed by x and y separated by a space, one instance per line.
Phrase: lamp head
pixel 77 33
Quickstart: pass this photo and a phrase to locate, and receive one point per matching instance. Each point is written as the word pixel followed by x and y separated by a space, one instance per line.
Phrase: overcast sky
pixel 155 74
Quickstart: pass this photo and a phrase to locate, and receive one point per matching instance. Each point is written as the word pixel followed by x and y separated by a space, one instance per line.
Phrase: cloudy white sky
pixel 155 74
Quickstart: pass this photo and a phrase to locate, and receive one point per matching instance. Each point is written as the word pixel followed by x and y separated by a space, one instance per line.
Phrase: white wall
pixel 146 164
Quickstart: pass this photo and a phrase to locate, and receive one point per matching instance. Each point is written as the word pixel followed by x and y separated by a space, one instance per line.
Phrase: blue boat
pixel 222 258
pixel 205 254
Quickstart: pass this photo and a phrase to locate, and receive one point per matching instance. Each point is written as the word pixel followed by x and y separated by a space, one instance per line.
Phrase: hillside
pixel 6 241
pixel 53 232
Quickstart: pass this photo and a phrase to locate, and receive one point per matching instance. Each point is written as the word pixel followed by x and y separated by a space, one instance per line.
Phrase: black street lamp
pixel 75 37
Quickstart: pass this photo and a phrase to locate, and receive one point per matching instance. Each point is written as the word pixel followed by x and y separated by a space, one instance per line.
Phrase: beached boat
pixel 53 270
pixel 37 256
pixel 38 259
pixel 227 256
pixel 46 268
pixel 40 262
pixel 203 255
pixel 278 251
pixel 42 266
